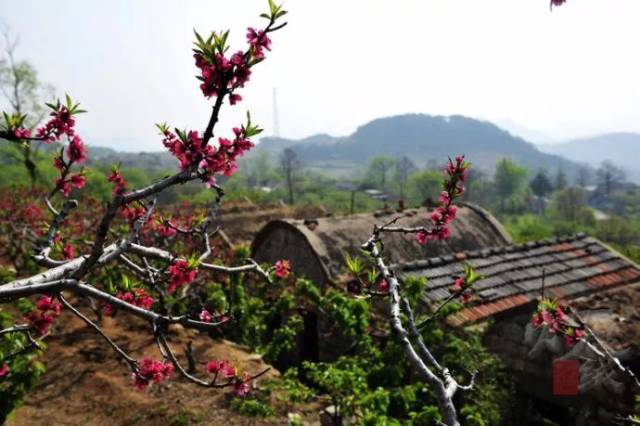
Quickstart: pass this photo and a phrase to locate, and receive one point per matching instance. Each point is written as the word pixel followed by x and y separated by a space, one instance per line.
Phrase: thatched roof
pixel 572 266
pixel 241 220
pixel 317 247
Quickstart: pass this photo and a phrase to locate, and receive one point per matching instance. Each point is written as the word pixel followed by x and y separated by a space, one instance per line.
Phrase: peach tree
pixel 161 280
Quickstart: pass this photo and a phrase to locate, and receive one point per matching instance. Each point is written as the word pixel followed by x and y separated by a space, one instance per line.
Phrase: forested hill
pixel 423 138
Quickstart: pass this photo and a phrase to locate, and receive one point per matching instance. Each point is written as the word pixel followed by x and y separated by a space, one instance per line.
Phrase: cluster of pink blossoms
pixel 61 124
pixel 460 286
pixel 282 268
pixel 191 149
pixel 119 183
pixel 228 371
pixel 181 273
pixel 66 185
pixel 258 40
pixel 206 316
pixel 456 174
pixel 41 319
pixel 21 133
pixel 554 319
pixel 220 74
pixel 138 297
pixel 151 371
pixel 165 230
pixel 132 213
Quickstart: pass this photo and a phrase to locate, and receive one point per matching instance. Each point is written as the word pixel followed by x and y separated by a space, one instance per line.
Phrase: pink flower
pixel 258 40
pixel 76 151
pixel 242 386
pixel 48 303
pixel 224 142
pixel 132 213
pixel 62 123
pixel 21 133
pixel 119 184
pixel 383 286
pixel 210 182
pixel 142 299
pixel 58 162
pixel 237 59
pixel 41 319
pixel 4 370
pixel 78 181
pixel 458 284
pixel 151 371
pixel 107 309
pixel 180 274
pixel 205 316
pixel 139 297
pixel 223 367
pixel 422 237
pixel 64 186
pixel 445 198
pixel 234 98
pixel 282 268
pixel 165 231
pixel 67 251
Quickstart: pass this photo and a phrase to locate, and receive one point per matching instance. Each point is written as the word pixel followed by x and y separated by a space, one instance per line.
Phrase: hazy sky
pixel 338 64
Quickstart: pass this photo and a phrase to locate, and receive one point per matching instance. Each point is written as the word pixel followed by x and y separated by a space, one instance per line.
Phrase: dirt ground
pixel 85 383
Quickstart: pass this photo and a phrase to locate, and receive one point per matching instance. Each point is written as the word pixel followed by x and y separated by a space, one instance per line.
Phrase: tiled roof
pixel 512 275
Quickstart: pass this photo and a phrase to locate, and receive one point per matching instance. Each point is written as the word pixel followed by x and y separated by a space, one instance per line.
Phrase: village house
pixel 601 285
pixel 317 248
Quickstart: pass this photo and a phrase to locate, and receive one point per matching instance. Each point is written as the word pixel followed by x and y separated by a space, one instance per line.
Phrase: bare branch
pixel 133 363
pixel 20 328
pixel 440 387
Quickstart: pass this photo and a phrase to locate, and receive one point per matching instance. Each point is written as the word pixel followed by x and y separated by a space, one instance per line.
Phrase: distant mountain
pixel 276 145
pixel 517 129
pixel 623 149
pixel 143 160
pixel 424 139
pixel 101 156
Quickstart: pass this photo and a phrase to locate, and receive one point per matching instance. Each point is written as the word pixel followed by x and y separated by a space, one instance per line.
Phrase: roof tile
pixel 573 266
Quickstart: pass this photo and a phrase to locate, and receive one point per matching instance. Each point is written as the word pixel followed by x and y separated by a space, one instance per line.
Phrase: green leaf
pixel 199 38
pixel 470 275
pixel 126 283
pixel 273 8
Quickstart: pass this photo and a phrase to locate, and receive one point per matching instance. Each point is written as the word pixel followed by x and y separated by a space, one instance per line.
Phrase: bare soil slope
pixel 85 383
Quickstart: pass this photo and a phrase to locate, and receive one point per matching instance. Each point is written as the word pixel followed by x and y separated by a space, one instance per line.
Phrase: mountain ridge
pixel 423 138
pixel 622 148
